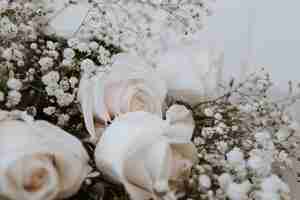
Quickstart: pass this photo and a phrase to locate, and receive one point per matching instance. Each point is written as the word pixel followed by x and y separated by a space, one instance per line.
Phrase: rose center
pixel 36 180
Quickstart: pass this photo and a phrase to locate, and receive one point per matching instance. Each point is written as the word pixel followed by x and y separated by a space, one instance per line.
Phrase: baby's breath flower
pixel 204 181
pixel 73 81
pixel 87 66
pixel 46 63
pixel 260 163
pixel 20 63
pixel 237 191
pixel 284 158
pixel 63 119
pixel 33 46
pixel 218 116
pixel 198 141
pixel 208 112
pixel 7 29
pixel 64 84
pixel 7 54
pixel 73 42
pixel 13 98
pixel 222 146
pixel 14 84
pixel 103 56
pixel 207 132
pixel 69 53
pixel 236 157
pixel 31 70
pixel 64 99
pixel 83 47
pixel 283 134
pixel 234 128
pixel 49 110
pixel 93 45
pixel 67 63
pixel 52 89
pixel 264 139
pixel 50 45
pixel 54 54
pixel 51 78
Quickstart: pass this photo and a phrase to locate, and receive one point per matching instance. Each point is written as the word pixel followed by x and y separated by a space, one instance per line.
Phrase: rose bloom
pixel 39 161
pixel 131 85
pixel 151 157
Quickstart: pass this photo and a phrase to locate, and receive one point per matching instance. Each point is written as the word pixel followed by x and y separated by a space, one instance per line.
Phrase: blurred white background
pixel 273 42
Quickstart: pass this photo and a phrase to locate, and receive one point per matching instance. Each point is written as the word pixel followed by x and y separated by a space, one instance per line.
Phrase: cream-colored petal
pixel 137 193
pixel 187 151
pixel 135 151
pixel 100 108
pixel 127 135
pixel 136 173
pixel 139 97
pixel 180 166
pixel 72 173
pixel 128 67
pixel 85 96
pixel 150 168
pixel 114 96
pixel 158 161
pixel 181 123
pixel 38 180
pixel 129 85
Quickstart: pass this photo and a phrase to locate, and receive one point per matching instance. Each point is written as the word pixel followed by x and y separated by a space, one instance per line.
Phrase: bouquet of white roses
pixel 98 105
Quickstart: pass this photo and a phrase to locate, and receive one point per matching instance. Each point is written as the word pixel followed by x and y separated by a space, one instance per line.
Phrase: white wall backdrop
pixel 275 38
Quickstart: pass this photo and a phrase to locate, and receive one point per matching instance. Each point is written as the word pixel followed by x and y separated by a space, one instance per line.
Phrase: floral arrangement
pixel 104 109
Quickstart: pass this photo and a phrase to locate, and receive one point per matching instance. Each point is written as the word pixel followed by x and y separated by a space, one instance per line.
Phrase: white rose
pixel 130 86
pixel 192 73
pixel 38 161
pixel 140 151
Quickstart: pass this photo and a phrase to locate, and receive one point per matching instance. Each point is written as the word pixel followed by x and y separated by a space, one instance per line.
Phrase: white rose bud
pixel 139 151
pixel 130 86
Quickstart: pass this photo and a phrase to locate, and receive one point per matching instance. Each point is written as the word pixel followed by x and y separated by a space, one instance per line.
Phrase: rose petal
pixel 135 151
pixel 135 172
pixel 86 98
pixel 181 123
pixel 100 109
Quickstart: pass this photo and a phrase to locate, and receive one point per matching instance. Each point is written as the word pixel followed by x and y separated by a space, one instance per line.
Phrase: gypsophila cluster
pixel 240 137
pixel 20 20
pixel 137 25
pixel 40 73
